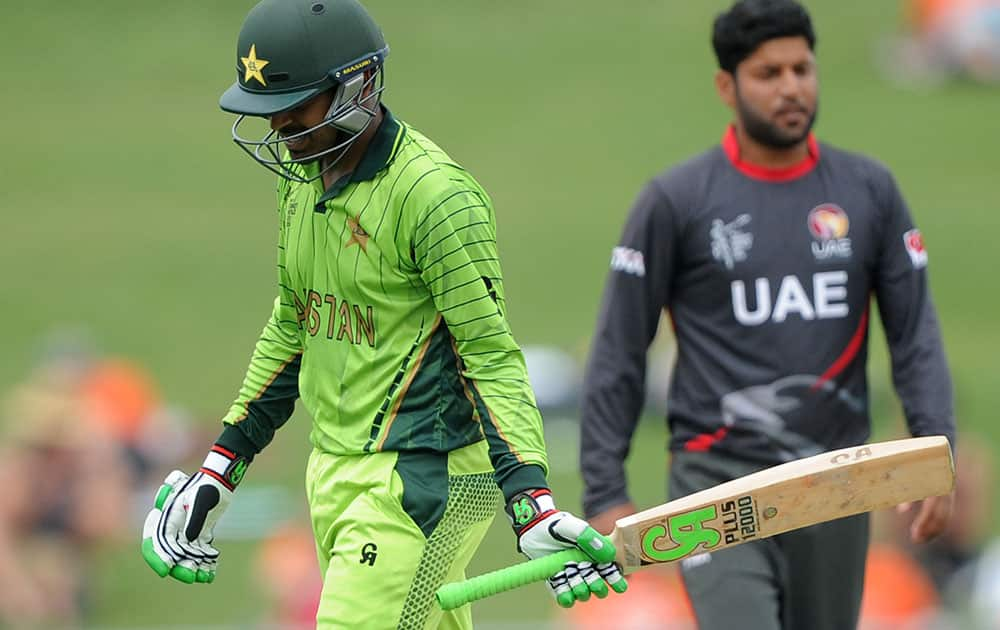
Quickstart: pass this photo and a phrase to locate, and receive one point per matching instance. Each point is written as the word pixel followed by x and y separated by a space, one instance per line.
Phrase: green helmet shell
pixel 291 50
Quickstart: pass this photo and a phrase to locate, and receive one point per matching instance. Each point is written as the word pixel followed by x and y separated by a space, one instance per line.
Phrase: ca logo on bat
pixel 845 456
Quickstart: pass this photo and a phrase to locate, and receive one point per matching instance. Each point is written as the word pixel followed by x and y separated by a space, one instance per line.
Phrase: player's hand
pixel 931 519
pixel 604 522
pixel 178 532
pixel 542 529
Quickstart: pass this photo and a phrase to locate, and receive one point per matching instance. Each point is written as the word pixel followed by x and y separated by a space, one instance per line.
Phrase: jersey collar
pixel 378 155
pixel 731 146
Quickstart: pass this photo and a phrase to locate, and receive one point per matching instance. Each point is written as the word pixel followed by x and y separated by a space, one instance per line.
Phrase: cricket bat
pixel 796 494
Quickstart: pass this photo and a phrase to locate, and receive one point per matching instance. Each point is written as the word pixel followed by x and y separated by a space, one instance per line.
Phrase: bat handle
pixel 457 594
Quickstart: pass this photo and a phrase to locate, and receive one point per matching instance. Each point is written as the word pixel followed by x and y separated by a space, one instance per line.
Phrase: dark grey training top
pixel 766 275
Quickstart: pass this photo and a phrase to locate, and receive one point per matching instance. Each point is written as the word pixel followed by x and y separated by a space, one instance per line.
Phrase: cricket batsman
pixel 390 325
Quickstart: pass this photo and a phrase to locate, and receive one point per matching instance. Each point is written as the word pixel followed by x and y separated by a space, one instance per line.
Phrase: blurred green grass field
pixel 127 210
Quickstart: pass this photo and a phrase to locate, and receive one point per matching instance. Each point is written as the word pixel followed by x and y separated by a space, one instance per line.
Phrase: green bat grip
pixel 457 594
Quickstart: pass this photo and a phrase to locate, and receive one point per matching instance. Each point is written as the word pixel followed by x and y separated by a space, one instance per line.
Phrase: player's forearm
pixel 601 494
pixel 604 484
pixel 925 391
pixel 260 410
pixel 512 425
pixel 614 385
pixel 614 390
pixel 497 378
pixel 919 367
pixel 270 388
pixel 521 477
pixel 605 439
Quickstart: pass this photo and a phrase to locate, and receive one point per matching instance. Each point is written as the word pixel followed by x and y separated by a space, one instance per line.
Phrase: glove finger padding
pixel 581 592
pixel 543 530
pixel 559 587
pixel 592 579
pixel 179 530
pixel 184 525
pixel 579 580
pixel 207 563
pixel 611 574
pixel 158 553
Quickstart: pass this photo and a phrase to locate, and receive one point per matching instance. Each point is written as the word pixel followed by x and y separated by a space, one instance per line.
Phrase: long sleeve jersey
pixel 766 276
pixel 390 318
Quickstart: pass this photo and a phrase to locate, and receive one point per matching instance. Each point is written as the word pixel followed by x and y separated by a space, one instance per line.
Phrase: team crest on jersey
pixel 358 235
pixel 731 241
pixel 914 243
pixel 829 225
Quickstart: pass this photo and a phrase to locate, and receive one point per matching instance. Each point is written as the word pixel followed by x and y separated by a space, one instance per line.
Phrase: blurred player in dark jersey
pixel 765 252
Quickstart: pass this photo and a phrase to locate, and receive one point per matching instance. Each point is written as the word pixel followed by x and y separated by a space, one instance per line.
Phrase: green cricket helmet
pixel 291 50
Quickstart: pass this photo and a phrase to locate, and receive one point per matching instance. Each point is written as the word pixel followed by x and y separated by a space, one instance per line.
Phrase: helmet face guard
pixel 351 113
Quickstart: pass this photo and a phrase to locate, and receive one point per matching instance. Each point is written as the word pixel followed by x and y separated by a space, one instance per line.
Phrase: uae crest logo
pixel 829 225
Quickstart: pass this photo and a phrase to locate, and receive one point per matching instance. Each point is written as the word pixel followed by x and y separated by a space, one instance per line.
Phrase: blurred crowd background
pixel 137 252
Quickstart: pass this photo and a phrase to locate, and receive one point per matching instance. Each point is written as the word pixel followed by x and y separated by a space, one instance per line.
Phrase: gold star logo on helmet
pixel 253 66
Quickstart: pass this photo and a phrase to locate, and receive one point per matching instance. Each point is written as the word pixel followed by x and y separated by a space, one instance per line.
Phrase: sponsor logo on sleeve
pixel 914 243
pixel 629 261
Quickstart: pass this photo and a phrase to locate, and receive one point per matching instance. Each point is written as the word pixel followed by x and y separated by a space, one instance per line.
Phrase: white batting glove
pixel 542 530
pixel 178 533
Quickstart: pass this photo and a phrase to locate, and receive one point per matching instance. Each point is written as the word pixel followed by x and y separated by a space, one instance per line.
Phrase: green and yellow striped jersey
pixel 390 318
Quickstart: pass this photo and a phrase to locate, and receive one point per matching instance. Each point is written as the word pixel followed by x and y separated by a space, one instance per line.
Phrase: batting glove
pixel 178 533
pixel 542 530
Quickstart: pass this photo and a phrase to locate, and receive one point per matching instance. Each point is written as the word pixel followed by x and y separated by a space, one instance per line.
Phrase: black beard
pixel 768 134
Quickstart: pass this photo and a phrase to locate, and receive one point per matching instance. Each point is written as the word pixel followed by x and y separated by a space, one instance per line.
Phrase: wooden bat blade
pixel 785 497
pixel 775 500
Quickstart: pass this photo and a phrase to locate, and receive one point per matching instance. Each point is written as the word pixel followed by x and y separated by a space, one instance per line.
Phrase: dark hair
pixel 738 32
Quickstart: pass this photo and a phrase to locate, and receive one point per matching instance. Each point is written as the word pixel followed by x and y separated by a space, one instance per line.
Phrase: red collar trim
pixel 785 174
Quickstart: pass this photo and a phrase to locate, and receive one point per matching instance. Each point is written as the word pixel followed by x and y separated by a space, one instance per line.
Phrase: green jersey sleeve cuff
pixel 233 439
pixel 527 477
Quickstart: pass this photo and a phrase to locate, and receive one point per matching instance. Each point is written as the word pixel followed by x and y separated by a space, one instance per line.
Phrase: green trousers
pixel 391 528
